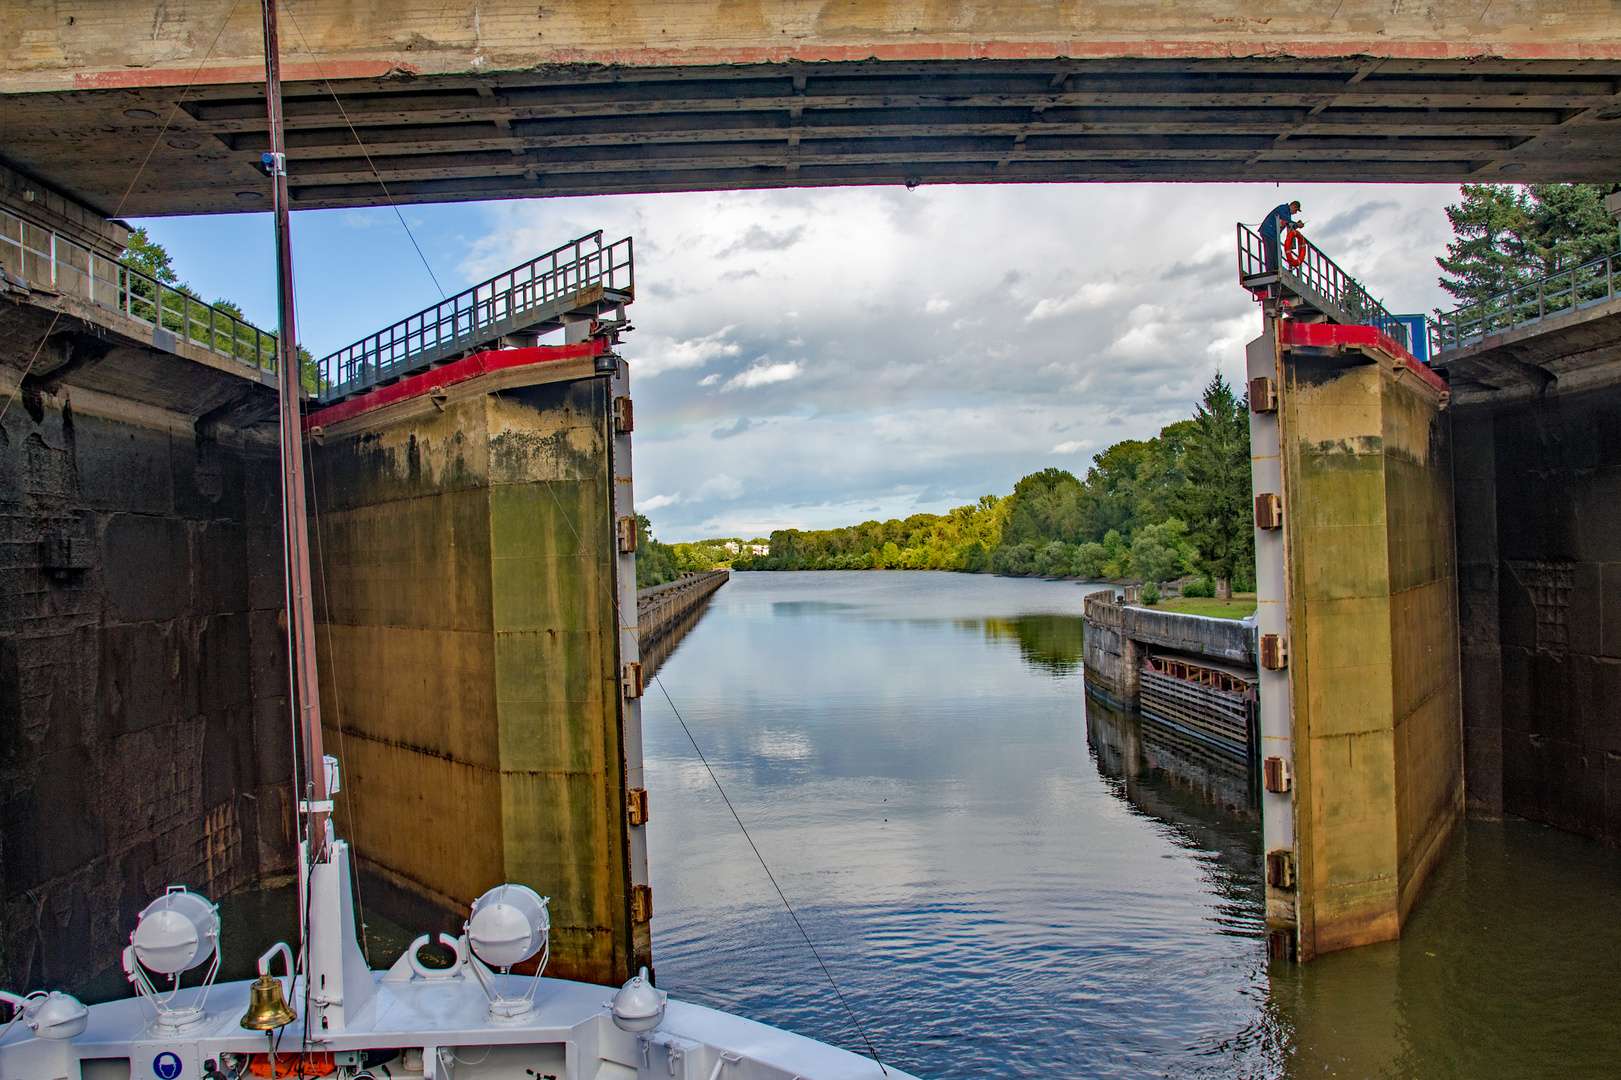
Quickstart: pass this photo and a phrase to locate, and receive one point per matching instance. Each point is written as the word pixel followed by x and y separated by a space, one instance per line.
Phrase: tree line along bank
pixel 1150 509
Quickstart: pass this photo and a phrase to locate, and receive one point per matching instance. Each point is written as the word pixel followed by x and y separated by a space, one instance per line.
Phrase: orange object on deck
pixel 293 1064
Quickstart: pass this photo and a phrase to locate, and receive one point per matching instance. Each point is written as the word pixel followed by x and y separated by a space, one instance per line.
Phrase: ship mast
pixel 315 800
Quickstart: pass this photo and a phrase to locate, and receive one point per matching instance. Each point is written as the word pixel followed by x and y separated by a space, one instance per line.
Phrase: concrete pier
pixel 1117 637
pixel 480 679
pixel 1360 693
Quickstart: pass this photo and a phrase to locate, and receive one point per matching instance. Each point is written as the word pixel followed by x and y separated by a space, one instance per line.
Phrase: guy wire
pixel 780 894
pixel 364 152
pixel 635 631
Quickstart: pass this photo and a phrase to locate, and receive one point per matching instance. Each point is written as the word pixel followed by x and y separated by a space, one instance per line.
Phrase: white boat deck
pixel 570 1035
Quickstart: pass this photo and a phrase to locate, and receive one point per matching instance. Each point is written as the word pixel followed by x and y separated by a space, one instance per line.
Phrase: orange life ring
pixel 1294 247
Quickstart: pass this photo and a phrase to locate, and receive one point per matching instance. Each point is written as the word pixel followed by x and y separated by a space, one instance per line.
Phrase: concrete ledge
pixel 1116 635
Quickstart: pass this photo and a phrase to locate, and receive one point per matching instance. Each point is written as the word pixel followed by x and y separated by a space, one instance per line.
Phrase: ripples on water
pixel 910 752
pixel 1008 880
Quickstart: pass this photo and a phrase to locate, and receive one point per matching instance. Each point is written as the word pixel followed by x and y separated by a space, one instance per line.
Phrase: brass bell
pixel 267 1008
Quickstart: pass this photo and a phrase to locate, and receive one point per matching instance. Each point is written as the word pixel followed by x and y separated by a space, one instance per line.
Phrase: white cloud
pixel 659 502
pixel 667 355
pixel 720 487
pixel 960 337
pixel 1086 298
pixel 763 374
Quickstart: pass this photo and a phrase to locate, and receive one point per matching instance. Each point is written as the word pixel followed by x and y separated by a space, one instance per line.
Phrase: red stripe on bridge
pixel 470 367
pixel 1330 335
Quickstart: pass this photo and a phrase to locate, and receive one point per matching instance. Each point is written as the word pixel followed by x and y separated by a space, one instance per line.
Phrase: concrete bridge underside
pixel 509 100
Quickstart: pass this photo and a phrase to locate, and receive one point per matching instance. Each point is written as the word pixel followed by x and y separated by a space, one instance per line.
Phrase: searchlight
pixel 508 925
pixel 175 933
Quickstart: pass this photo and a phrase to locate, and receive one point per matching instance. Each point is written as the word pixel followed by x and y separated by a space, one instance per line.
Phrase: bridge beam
pixel 417 102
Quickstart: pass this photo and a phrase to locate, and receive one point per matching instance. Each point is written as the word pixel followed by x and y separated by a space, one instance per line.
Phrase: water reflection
pixel 910 752
pixel 1051 643
pixel 1011 880
pixel 1507 968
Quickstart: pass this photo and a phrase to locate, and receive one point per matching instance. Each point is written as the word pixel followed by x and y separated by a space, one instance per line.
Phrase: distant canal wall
pixel 1118 637
pixel 661 608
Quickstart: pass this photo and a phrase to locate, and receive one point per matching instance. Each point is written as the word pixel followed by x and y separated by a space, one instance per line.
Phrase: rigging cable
pixel 780 894
pixel 635 631
pixel 337 705
pixel 170 118
pixel 364 152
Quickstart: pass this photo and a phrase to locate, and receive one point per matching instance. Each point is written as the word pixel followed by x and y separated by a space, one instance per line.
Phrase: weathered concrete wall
pixel 469 612
pixel 1557 470
pixel 1372 636
pixel 1480 658
pixel 1116 635
pixel 143 724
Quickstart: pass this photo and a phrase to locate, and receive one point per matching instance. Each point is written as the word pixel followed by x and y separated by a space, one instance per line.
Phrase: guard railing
pixel 43 258
pixel 1310 273
pixel 1557 294
pixel 480 315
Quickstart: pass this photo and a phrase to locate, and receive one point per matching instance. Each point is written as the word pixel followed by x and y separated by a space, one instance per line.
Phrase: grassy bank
pixel 1241 605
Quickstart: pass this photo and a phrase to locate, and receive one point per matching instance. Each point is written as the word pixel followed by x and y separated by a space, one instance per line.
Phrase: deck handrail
pixel 1319 274
pixel 477 316
pixel 41 257
pixel 1559 293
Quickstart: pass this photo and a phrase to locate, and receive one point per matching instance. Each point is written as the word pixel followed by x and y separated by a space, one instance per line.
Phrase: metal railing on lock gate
pixel 1308 272
pixel 504 304
pixel 43 258
pixel 1557 294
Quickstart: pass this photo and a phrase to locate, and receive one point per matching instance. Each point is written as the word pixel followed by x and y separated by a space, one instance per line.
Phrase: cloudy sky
pixel 820 357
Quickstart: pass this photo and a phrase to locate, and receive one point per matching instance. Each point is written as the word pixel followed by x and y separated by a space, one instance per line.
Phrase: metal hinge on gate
pixel 636 806
pixel 1268 511
pixel 1280 945
pixel 641 903
pixel 631 677
pixel 627 535
pixel 1280 869
pixel 624 416
pixel 1263 395
pixel 1277 776
pixel 1274 652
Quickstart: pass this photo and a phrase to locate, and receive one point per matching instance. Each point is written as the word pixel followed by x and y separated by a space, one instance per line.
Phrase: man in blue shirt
pixel 1281 217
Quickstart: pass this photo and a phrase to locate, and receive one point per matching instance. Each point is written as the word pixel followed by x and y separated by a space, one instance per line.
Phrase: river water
pixel 1005 879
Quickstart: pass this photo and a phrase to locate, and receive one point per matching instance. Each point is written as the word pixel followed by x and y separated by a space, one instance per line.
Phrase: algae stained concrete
pixel 471 654
pixel 1373 643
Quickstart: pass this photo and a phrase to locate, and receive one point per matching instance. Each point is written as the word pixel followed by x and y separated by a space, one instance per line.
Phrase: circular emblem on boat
pixel 166 1066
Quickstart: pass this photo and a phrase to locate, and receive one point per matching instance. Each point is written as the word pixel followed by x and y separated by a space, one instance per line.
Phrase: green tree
pixel 1506 236
pixel 1218 498
pixel 147 256
pixel 655 562
pixel 1162 552
pixel 1568 226
pixel 1089 560
pixel 1488 254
